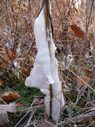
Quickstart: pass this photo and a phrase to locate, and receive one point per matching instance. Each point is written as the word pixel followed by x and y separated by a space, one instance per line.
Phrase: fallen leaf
pixel 77 31
pixel 10 96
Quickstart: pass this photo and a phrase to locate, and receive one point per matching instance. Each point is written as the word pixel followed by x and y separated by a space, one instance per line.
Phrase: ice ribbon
pixel 45 71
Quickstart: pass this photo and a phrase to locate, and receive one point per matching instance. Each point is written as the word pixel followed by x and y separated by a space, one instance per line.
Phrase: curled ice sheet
pixel 45 71
pixel 41 73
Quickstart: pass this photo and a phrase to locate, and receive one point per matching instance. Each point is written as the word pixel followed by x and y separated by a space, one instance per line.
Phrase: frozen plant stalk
pixel 45 71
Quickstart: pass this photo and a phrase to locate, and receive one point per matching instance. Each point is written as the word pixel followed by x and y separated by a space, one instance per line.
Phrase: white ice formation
pixel 45 70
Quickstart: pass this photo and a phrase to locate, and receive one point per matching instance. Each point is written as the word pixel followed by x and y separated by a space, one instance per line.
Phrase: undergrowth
pixel 77 104
pixel 27 96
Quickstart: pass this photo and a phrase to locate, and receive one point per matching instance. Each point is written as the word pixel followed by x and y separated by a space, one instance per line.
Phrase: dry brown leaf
pixel 10 96
pixel 25 71
pixel 77 31
pixel 12 53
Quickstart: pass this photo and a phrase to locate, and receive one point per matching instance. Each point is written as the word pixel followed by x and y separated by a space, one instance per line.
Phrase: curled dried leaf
pixel 10 96
pixel 77 31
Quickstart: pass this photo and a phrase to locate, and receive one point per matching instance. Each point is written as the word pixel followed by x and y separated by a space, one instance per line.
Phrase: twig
pixel 50 123
pixel 91 124
pixel 77 118
pixel 3 101
pixel 25 114
pixel 51 97
pixel 87 25
pixel 29 121
pixel 32 43
pixel 30 125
